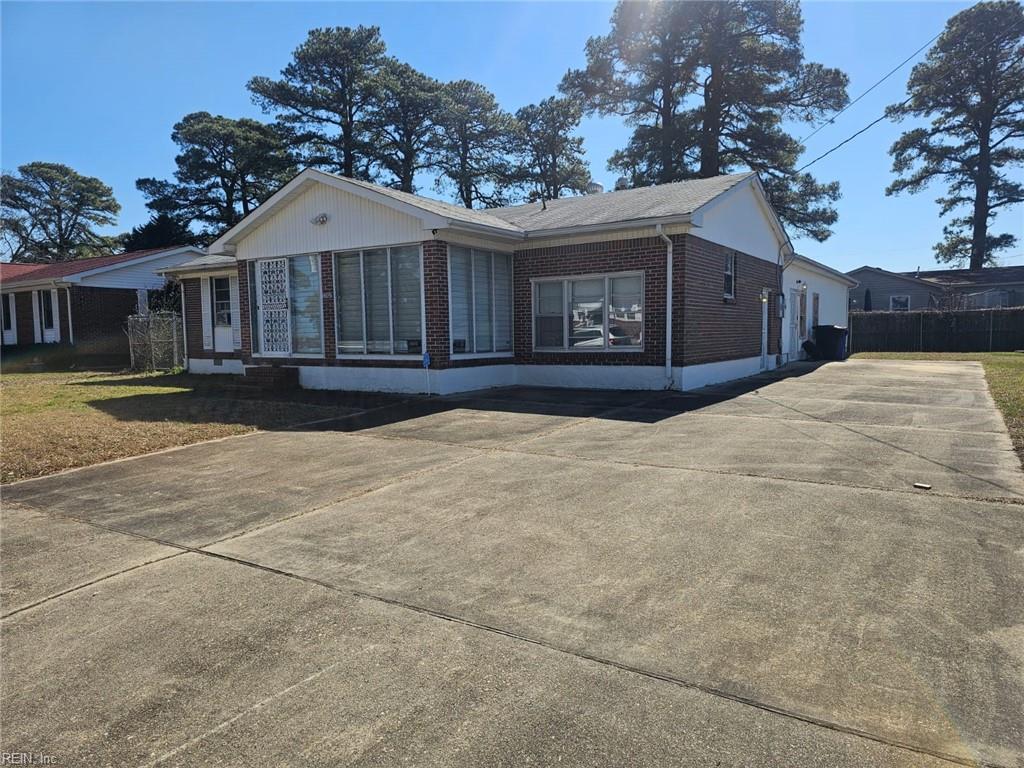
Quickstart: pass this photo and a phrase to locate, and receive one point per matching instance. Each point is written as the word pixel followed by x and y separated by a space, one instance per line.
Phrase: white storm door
pixel 272 312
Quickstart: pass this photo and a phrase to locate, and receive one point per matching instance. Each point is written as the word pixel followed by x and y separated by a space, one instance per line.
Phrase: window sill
pixel 376 356
pixel 590 351
pixel 481 355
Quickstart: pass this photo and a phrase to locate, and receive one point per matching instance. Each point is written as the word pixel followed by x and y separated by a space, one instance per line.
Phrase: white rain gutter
pixel 668 305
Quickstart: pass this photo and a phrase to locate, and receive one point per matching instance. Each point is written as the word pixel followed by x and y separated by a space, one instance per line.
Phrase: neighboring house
pixel 81 303
pixel 979 288
pixel 882 290
pixel 815 295
pixel 358 286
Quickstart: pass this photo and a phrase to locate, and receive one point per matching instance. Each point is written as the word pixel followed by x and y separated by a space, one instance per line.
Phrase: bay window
pixel 378 298
pixel 480 301
pixel 592 313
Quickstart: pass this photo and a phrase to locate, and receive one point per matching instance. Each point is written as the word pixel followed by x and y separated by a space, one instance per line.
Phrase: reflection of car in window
pixel 594 337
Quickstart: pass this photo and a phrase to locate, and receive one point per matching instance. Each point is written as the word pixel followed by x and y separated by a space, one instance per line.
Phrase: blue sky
pixel 98 86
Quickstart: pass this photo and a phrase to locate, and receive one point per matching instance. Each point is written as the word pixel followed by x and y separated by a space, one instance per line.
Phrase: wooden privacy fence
pixel 971 330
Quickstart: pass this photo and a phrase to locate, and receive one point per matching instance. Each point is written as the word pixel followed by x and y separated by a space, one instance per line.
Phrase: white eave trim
pixel 822 269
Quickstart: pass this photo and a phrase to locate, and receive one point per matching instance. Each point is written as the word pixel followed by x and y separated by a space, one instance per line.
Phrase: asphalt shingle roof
pixel 472 215
pixel 677 199
pixel 987 276
pixel 211 261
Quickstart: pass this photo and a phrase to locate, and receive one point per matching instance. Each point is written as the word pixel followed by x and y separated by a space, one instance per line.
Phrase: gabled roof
pixel 201 264
pixel 897 275
pixel 67 269
pixel 676 202
pixel 640 203
pixel 824 268
pixel 969 277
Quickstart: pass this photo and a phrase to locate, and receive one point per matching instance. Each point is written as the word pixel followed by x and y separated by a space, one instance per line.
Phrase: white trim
pixel 55 311
pixel 407 380
pixel 203 365
pixel 646 377
pixel 482 355
pixel 205 312
pixel 37 328
pixel 392 355
pixel 377 356
pixel 567 312
pixel 730 270
pixel 697 376
pixel 10 337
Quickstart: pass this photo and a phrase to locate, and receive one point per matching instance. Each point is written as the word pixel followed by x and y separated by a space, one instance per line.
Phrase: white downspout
pixel 668 305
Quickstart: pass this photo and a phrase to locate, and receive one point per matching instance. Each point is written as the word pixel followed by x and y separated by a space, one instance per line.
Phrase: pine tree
pixel 971 88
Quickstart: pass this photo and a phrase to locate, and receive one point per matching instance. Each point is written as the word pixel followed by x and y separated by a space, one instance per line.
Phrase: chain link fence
pixel 156 341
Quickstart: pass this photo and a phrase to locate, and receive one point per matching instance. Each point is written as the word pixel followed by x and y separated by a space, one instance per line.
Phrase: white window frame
pixel 730 272
pixel 213 300
pixel 472 306
pixel 254 316
pixel 567 313
pixel 899 296
pixel 364 355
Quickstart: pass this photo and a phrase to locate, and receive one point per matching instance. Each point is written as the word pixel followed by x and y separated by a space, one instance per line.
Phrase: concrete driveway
pixel 743 577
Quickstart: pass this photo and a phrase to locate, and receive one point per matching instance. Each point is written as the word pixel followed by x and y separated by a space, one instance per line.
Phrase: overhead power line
pixel 877 83
pixel 876 121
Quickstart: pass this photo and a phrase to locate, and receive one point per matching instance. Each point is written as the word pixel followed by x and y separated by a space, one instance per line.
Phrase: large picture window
pixel 593 313
pixel 379 301
pixel 480 301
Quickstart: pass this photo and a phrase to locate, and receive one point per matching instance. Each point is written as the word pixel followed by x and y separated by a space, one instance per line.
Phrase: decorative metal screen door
pixel 272 312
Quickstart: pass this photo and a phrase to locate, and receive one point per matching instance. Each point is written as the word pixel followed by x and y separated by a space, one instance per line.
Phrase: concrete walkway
pixel 743 576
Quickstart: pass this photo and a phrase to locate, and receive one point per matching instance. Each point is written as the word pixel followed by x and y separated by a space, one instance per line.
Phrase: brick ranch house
pixel 362 287
pixel 80 304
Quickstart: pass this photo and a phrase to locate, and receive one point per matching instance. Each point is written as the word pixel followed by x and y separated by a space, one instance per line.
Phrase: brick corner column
pixel 327 293
pixel 435 295
pixel 245 319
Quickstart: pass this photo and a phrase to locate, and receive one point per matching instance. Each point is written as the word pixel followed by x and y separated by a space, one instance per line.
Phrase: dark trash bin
pixel 830 341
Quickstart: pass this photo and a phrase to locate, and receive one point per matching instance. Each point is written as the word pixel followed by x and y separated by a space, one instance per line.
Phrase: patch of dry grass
pixel 56 421
pixel 1004 372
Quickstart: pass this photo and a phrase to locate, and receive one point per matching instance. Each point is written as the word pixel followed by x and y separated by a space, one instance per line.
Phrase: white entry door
pixel 272 312
pixel 10 331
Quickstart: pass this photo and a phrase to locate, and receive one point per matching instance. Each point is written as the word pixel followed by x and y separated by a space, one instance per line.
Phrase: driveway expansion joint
pixel 539 642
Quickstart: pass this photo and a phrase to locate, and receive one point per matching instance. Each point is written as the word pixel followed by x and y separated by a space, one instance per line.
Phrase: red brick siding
pixel 62 314
pixel 435 294
pixel 645 255
pixel 192 291
pixel 327 291
pixel 98 316
pixel 244 311
pixel 715 328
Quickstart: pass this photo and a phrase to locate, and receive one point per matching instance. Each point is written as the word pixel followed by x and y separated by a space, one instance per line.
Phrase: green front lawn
pixel 1004 372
